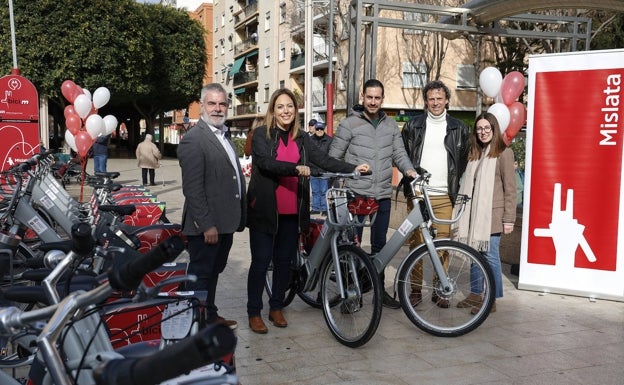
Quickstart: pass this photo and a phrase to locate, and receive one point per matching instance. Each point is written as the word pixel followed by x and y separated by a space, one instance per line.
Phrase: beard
pixel 217 121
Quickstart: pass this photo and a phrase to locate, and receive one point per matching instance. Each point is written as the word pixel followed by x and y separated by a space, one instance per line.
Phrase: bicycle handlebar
pixel 129 276
pixel 349 175
pixel 207 346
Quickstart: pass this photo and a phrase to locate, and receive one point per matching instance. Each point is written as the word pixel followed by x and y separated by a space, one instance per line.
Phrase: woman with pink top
pixel 278 199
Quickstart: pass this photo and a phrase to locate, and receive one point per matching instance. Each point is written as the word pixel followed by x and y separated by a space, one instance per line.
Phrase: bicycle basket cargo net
pixel 361 205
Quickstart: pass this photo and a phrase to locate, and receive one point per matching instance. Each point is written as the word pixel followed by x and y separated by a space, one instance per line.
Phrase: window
pixel 222 46
pixel 282 51
pixel 267 95
pixel 223 19
pixel 466 77
pixel 282 15
pixel 267 57
pixel 267 21
pixel 414 75
pixel 216 50
pixel 282 84
pixel 416 17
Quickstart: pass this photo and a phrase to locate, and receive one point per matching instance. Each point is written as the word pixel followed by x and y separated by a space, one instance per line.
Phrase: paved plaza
pixel 533 338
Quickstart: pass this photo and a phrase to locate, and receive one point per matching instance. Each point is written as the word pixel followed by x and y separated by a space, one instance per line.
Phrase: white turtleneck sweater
pixel 434 154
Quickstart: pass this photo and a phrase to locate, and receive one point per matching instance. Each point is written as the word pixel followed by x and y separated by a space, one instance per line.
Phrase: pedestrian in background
pixel 319 185
pixel 100 153
pixel 148 156
pixel 312 126
pixel 214 196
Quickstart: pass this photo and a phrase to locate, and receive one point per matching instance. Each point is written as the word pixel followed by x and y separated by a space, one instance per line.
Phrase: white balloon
pixel 101 96
pixel 501 112
pixel 110 124
pixel 87 92
pixel 490 81
pixel 82 105
pixel 94 125
pixel 70 140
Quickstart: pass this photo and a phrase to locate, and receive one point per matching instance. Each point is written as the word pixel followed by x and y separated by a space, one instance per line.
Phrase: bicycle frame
pixel 338 221
pixel 416 222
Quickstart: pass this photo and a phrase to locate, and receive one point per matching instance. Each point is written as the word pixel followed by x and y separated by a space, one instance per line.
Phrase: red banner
pixel 577 168
pixel 19 120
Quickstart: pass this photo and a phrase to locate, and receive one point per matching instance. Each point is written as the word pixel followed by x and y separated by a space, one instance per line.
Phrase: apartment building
pixel 260 46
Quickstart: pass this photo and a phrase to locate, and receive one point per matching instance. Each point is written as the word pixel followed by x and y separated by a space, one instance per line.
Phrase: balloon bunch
pixel 83 123
pixel 510 113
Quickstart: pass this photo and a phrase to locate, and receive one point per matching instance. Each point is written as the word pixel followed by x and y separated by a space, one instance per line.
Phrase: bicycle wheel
pixel 352 320
pixel 417 271
pixel 291 291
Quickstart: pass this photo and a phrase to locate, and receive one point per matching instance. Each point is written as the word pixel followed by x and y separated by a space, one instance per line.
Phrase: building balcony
pixel 249 108
pixel 241 78
pixel 245 45
pixel 245 14
pixel 297 62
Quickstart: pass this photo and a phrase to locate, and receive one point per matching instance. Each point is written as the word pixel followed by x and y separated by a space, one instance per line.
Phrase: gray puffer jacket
pixel 357 141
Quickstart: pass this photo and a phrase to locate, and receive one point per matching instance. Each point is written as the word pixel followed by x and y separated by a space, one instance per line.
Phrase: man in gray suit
pixel 214 190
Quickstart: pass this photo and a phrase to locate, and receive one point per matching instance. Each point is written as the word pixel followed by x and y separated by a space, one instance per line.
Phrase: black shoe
pixel 390 302
pixel 324 213
pixel 152 184
pixel 314 212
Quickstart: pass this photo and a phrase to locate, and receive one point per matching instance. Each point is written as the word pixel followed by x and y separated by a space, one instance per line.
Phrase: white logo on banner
pixel 565 231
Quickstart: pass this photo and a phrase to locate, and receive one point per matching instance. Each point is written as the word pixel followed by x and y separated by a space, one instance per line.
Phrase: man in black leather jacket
pixel 438 143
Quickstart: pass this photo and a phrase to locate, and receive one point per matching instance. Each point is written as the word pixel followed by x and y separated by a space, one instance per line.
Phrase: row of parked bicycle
pixel 89 290
pixel 91 294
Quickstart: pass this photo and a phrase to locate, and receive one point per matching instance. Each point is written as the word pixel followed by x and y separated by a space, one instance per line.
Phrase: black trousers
pixel 152 173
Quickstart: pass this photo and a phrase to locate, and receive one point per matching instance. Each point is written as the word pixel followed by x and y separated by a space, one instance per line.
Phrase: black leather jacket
pixel 456 143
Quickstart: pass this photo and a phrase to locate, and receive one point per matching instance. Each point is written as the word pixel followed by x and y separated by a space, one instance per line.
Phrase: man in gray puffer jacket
pixel 372 137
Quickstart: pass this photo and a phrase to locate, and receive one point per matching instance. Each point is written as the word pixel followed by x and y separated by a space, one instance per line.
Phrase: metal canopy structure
pixel 477 17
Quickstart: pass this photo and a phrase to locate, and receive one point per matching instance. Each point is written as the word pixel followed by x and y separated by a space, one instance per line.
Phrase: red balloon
pixel 68 89
pixel 73 123
pixel 83 143
pixel 506 138
pixel 512 87
pixel 69 109
pixel 517 118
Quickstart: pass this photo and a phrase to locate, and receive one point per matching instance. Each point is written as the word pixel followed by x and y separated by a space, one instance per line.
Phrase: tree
pixel 146 55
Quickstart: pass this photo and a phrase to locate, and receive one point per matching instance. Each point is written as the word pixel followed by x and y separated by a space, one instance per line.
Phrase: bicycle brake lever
pixel 144 292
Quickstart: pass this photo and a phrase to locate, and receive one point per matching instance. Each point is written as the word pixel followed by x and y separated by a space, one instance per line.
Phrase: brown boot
pixel 277 318
pixel 256 324
pixel 476 309
pixel 415 297
pixel 470 301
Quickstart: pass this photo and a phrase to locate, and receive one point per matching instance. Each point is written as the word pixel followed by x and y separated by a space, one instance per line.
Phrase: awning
pixel 239 91
pixel 254 53
pixel 238 63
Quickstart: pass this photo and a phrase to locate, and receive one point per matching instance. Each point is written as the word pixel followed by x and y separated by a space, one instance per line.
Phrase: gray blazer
pixel 210 184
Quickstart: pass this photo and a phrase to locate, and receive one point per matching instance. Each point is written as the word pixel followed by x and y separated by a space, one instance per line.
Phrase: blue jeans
pixel 379 229
pixel 493 258
pixel 99 163
pixel 207 261
pixel 280 248
pixel 319 189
